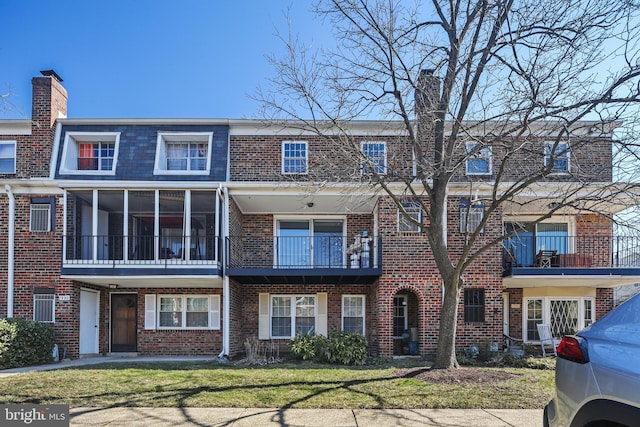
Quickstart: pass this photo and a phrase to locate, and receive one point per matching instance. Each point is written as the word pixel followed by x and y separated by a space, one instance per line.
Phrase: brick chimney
pixel 427 95
pixel 48 103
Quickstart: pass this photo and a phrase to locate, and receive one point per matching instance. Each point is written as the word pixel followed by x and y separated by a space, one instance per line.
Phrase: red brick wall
pixel 178 342
pixel 251 293
pixel 408 264
pixel 604 301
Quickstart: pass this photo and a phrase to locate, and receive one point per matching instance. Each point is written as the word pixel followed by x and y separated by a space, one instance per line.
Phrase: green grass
pixel 303 385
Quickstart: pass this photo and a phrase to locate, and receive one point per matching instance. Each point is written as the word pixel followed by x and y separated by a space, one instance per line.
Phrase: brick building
pixel 184 237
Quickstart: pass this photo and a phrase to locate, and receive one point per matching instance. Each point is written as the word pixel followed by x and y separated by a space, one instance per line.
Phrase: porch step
pixel 123 354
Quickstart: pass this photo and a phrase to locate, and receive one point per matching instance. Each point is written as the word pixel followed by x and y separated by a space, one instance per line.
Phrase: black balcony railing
pixel 571 251
pixel 317 252
pixel 141 249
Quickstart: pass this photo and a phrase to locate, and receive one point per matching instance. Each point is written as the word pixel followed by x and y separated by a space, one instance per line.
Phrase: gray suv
pixel 598 373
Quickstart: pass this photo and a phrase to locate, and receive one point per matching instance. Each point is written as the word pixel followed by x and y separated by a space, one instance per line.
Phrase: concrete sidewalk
pixel 241 417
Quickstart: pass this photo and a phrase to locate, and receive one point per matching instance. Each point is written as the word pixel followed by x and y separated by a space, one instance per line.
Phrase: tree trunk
pixel 446 351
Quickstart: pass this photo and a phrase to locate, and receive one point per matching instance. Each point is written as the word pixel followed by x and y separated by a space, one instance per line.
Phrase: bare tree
pixel 463 77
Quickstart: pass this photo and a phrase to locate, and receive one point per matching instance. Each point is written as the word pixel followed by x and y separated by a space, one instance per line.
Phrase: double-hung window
pixel 180 153
pixel 292 315
pixel 471 215
pixel 185 311
pixel 8 157
pixel 559 156
pixel 294 157
pixel 413 212
pixel 375 160
pixel 478 159
pixel 353 313
pixel 90 153
pixel 44 302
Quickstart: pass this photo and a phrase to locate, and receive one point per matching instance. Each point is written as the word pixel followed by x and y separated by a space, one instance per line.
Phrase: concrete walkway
pixel 248 417
pixel 239 417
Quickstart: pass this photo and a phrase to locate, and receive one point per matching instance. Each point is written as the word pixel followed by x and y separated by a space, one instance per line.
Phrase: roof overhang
pixel 306 198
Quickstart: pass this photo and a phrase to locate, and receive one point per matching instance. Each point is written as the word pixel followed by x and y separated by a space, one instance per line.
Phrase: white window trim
pixel 365 163
pixel 306 157
pixel 69 159
pixel 364 312
pixel 14 143
pixel 415 228
pixel 470 146
pixel 159 167
pixel 548 145
pixel 53 307
pixel 213 312
pixel 546 311
pixel 293 312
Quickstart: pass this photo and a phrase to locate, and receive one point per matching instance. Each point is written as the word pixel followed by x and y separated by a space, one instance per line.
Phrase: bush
pixel 24 343
pixel 341 348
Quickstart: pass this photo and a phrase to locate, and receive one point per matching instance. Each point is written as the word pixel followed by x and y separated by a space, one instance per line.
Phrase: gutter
pixel 10 249
pixel 225 279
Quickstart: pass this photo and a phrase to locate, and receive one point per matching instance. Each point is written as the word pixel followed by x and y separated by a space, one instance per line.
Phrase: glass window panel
pixel 353 324
pixel 534 316
pixel 170 320
pixel 281 326
pixel 197 320
pixel 198 304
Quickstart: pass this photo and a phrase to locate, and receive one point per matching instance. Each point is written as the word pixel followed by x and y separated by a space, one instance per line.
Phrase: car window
pixel 622 324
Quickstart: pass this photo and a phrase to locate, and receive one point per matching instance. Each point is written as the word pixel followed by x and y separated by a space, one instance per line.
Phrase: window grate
pixel 40 218
pixel 43 308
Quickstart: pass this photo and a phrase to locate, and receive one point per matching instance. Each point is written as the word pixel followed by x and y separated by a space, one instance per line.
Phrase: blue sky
pixel 147 58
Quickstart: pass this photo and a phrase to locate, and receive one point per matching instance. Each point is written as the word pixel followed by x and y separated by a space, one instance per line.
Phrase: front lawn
pixel 286 385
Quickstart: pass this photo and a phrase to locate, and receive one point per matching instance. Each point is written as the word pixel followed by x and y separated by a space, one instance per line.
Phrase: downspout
pixel 225 279
pixel 10 249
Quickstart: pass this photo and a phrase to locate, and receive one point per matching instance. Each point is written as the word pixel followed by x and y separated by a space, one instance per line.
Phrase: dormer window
pixel 90 153
pixel 183 153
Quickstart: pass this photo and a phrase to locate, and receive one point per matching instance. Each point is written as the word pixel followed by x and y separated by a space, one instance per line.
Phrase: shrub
pixel 304 347
pixel 342 348
pixel 24 343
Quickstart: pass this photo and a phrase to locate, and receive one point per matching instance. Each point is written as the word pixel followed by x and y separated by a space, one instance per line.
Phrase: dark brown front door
pixel 123 322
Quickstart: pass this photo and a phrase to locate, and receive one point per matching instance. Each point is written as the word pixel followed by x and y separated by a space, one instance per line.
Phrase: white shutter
pixel 321 314
pixel 263 316
pixel 150 311
pixel 214 312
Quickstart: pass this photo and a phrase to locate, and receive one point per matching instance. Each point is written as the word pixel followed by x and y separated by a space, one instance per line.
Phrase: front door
pixel 89 330
pixel 123 322
pixel 400 322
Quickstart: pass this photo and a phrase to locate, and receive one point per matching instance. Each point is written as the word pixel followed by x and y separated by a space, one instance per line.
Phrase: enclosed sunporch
pixel 136 231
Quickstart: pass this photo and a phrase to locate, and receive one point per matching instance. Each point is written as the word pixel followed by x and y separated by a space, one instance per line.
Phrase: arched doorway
pixel 405 320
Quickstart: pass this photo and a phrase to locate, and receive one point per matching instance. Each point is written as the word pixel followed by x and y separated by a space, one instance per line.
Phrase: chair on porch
pixel 546 339
pixel 546 258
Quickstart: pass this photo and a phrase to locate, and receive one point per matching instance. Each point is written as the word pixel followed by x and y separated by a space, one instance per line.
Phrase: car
pixel 598 373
